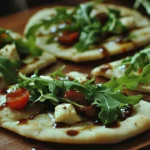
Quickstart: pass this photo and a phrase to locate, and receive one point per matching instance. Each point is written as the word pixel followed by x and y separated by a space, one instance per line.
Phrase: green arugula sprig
pixel 61 15
pixel 130 81
pixel 107 101
pixel 137 61
pixel 8 70
pixel 22 46
pixel 113 25
pixel 144 3
pixel 90 28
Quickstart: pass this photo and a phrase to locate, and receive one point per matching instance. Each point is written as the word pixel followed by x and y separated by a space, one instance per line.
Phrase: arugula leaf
pixel 70 102
pixel 114 25
pixel 32 30
pixel 83 12
pixel 130 81
pixel 80 20
pixel 144 3
pixel 105 98
pixel 5 37
pixel 23 46
pixel 109 101
pixel 145 75
pixel 61 15
pixel 8 70
pixel 138 61
pixel 49 96
pixel 89 35
pixel 58 73
pixel 108 105
pixel 92 33
pixel 27 47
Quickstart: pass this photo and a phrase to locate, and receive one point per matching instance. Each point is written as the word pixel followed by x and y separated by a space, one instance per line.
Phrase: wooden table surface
pixel 12 141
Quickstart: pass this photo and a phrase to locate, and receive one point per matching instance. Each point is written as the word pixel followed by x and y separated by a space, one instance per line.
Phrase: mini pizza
pixel 135 66
pixel 88 32
pixel 18 53
pixel 56 109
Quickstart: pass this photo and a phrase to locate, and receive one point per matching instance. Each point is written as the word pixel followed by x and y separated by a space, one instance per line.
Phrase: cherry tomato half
pixel 75 96
pixel 18 99
pixel 69 38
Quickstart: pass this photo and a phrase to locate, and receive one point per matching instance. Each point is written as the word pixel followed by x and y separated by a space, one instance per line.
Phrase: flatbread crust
pixel 42 127
pixel 36 63
pixel 30 63
pixel 130 18
pixel 108 70
pixel 115 69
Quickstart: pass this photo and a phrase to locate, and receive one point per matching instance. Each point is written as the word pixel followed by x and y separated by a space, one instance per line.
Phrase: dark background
pixel 11 6
pixel 8 7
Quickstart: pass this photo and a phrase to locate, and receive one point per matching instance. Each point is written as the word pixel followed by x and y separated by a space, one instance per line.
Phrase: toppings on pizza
pixel 89 31
pixel 70 99
pixel 131 72
pixel 53 103
pixel 137 62
pixel 8 71
pixel 66 113
pixel 72 108
pixel 68 38
pixel 80 77
pixel 19 53
pixel 144 3
pixel 23 46
pixel 78 26
pixel 18 99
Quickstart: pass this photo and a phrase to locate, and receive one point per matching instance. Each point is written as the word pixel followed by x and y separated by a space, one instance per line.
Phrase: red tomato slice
pixel 18 99
pixel 69 38
pixel 4 35
pixel 75 96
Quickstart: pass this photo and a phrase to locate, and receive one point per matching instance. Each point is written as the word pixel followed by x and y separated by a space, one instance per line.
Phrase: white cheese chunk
pixel 66 113
pixel 10 52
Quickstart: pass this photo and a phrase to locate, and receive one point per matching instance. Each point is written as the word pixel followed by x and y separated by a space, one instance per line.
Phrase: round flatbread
pixel 43 127
pixel 130 18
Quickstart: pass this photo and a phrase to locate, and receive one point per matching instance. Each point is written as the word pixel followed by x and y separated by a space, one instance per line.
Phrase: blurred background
pixel 8 7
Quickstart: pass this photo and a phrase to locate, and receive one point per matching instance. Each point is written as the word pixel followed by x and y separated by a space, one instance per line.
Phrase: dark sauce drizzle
pixel 113 125
pixel 72 132
pixel 61 125
pixel 105 52
pixel 3 91
pixel 25 120
pixel 3 106
pixel 126 112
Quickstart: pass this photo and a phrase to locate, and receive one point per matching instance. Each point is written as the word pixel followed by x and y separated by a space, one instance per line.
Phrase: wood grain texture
pixel 12 141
